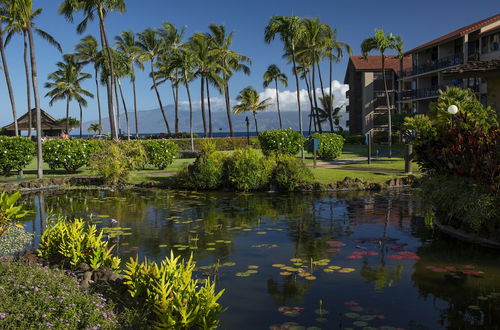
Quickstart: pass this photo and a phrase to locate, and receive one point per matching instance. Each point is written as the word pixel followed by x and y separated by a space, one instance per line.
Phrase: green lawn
pixel 327 176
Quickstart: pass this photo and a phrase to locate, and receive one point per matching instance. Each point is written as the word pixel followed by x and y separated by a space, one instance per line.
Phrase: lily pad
pixel 321 311
pixel 321 320
pixel 367 317
pixel 357 309
pixel 253 267
pixel 360 324
pixel 310 278
pixel 352 315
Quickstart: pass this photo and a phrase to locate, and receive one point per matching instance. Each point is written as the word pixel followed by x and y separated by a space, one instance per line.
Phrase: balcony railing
pixel 430 92
pixel 441 63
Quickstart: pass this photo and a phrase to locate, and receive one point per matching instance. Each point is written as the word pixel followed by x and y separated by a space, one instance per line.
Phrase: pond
pixel 298 261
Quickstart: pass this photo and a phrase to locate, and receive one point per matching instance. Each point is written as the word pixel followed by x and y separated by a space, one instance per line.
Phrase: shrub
pixel 221 144
pixel 161 153
pixel 169 292
pixel 15 153
pixel 381 137
pixel 330 145
pixel 247 169
pixel 354 139
pixel 14 240
pixel 9 211
pixel 70 154
pixel 207 170
pixel 75 242
pixel 136 154
pixel 281 141
pixel 290 173
pixel 111 163
pixel 36 297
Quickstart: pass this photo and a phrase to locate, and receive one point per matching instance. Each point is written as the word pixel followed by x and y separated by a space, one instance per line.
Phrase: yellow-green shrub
pixel 247 169
pixel 111 163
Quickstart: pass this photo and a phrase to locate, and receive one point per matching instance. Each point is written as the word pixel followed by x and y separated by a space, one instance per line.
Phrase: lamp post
pixel 248 130
pixel 452 110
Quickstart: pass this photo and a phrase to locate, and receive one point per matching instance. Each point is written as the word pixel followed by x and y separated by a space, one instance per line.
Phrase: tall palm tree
pixel 94 128
pixel 91 9
pixel 229 60
pixel 382 42
pixel 20 26
pixel 64 84
pixel 9 83
pixel 172 38
pixel 250 101
pixel 327 112
pixel 274 74
pixel 87 51
pixel 151 46
pixel 291 30
pixel 127 44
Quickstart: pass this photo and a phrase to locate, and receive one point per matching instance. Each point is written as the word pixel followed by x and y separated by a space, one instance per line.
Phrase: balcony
pixel 381 102
pixel 439 64
pixel 424 93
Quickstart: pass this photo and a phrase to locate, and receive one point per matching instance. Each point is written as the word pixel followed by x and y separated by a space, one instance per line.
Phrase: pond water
pixel 318 261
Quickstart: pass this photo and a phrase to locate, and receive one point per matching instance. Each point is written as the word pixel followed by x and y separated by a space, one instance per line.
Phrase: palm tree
pixel 127 44
pixel 90 9
pixel 327 112
pixel 20 26
pixel 95 128
pixel 65 84
pixel 274 74
pixel 382 42
pixel 250 101
pixel 291 30
pixel 87 52
pixel 9 83
pixel 151 47
pixel 229 60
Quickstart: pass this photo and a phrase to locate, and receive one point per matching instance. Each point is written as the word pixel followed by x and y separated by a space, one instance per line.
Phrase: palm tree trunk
pixel 298 93
pixel 388 105
pixel 320 79
pixel 67 115
pixel 110 82
pixel 28 88
pixel 312 115
pixel 255 119
pixel 159 98
pixel 190 112
pixel 209 110
pixel 228 105
pixel 117 107
pixel 176 101
pixel 98 100
pixel 9 84
pixel 278 102
pixel 81 119
pixel 331 76
pixel 315 98
pixel 34 78
pixel 124 109
pixel 203 106
pixel 135 110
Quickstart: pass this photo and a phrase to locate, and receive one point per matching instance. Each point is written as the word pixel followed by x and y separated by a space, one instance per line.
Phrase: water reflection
pixel 402 271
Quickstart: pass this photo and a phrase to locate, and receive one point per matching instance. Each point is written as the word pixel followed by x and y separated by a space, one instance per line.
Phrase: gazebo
pixel 50 126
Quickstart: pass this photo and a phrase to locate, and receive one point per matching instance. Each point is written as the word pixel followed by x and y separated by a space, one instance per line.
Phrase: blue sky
pixel 415 21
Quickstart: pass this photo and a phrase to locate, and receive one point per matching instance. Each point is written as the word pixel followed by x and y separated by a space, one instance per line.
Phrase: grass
pixel 328 175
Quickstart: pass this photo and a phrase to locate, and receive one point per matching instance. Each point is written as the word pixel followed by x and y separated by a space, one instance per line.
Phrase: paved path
pixel 340 164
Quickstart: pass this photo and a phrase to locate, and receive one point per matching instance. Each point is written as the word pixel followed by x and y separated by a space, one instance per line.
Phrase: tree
pixel 250 101
pixel 7 74
pixel 274 74
pixel 328 113
pixel 229 60
pixel 127 44
pixel 87 52
pixel 65 84
pixel 151 47
pixel 291 30
pixel 382 42
pixel 90 9
pixel 95 128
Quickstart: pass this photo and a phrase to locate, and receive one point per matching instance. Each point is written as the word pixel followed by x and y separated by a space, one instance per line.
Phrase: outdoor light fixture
pixel 452 109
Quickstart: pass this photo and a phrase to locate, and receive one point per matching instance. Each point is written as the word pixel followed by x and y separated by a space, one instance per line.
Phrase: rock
pixel 87 279
pixel 105 274
pixel 83 267
pixel 31 257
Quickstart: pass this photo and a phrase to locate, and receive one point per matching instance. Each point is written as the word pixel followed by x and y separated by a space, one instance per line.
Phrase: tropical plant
pixel 250 101
pixel 229 60
pixel 330 145
pixel 15 153
pixel 281 142
pixel 101 9
pixel 328 113
pixel 243 162
pixel 274 74
pixel 65 84
pixel 10 212
pixel 95 127
pixel 74 242
pixel 290 173
pixel 160 153
pixel 70 154
pixel 382 42
pixel 206 173
pixel 111 163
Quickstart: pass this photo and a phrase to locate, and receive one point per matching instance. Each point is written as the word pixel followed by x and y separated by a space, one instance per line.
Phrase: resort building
pixel 367 101
pixel 436 64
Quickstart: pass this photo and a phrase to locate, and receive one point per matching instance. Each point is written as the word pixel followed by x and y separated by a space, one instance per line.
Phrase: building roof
pixel 493 29
pixel 460 32
pixel 49 123
pixel 373 63
pixel 474 69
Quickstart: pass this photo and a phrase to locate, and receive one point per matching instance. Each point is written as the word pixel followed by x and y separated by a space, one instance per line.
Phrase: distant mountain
pixel 152 121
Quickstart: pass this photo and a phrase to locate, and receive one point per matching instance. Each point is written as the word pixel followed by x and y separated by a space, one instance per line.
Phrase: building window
pixel 491 43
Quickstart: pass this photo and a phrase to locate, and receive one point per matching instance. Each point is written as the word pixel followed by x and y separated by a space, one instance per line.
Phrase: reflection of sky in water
pixel 224 227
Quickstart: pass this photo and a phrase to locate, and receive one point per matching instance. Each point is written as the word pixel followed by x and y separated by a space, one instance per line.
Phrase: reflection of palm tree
pixel 382 276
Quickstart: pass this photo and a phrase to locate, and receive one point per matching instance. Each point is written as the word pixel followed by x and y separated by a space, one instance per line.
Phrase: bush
pixel 381 137
pixel 36 297
pixel 10 212
pixel 354 139
pixel 281 141
pixel 290 173
pixel 161 153
pixel 330 145
pixel 221 144
pixel 15 153
pixel 14 240
pixel 111 163
pixel 75 242
pixel 136 154
pixel 70 154
pixel 247 169
pixel 169 292
pixel 207 171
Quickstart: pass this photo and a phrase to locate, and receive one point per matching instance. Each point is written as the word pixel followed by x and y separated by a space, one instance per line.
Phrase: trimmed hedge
pixel 355 139
pixel 160 153
pixel 221 144
pixel 381 137
pixel 330 145
pixel 15 153
pixel 281 142
pixel 70 154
